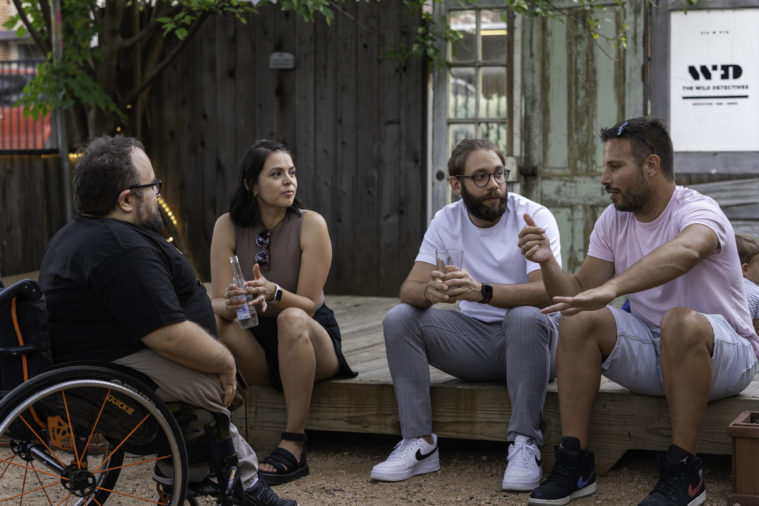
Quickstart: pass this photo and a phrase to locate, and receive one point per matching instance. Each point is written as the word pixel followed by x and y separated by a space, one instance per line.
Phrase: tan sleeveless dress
pixel 283 268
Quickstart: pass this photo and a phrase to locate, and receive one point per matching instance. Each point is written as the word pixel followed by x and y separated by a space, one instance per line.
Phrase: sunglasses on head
pixel 622 129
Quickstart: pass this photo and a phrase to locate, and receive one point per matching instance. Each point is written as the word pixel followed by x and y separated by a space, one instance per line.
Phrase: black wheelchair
pixel 84 433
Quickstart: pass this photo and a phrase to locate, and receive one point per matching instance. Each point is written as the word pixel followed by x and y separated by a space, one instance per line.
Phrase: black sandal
pixel 287 468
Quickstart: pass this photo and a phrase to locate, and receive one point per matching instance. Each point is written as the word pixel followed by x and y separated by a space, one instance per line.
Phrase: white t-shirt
pixel 752 298
pixel 491 255
pixel 714 286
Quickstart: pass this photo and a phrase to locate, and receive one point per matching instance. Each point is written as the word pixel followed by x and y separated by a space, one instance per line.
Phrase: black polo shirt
pixel 108 283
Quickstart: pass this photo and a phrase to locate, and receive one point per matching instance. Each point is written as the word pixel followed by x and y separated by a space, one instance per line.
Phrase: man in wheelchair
pixel 117 291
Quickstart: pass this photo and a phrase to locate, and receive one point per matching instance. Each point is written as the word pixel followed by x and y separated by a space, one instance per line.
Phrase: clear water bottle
pixel 246 316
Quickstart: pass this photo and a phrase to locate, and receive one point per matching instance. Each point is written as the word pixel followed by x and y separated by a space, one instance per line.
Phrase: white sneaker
pixel 523 470
pixel 409 458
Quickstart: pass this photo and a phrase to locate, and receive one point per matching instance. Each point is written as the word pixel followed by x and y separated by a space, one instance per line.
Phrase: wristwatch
pixel 487 293
pixel 277 294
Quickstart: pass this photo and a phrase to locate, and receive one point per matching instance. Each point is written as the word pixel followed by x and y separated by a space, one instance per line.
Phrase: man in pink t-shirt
pixel 688 335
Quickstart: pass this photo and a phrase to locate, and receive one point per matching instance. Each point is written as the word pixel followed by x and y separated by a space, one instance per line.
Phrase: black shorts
pixel 266 335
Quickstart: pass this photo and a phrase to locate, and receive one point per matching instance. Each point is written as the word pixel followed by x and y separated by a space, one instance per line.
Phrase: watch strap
pixel 277 294
pixel 487 293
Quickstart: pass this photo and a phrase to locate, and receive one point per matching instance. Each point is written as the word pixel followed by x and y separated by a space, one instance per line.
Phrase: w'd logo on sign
pixel 726 72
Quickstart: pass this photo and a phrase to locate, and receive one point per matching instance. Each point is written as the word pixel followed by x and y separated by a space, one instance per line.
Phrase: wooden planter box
pixel 745 433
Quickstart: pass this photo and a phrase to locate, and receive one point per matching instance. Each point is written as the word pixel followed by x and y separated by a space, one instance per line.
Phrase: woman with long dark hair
pixel 285 253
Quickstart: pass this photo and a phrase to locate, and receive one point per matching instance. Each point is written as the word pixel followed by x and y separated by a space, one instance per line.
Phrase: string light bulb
pixel 167 210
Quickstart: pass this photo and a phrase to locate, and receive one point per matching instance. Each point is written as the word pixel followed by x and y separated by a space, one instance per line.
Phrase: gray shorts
pixel 635 361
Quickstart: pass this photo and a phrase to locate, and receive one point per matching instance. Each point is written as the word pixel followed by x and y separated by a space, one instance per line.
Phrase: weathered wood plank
pixel 305 149
pixel 735 192
pixel 739 200
pixel 244 113
pixel 224 169
pixel 31 209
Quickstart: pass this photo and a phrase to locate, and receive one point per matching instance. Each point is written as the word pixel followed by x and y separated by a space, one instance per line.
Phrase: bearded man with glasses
pixel 499 334
pixel 118 291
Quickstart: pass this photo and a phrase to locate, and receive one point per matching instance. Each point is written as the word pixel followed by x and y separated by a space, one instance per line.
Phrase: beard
pixel 635 197
pixel 481 211
pixel 149 216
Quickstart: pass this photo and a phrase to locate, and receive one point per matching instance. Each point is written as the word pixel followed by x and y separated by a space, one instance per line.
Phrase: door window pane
pixel 461 93
pixel 493 92
pixel 493 36
pixel 458 132
pixel 495 133
pixel 464 22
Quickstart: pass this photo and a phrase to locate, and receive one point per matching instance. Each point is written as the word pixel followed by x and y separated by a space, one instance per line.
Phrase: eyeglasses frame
pixel 157 183
pixel 505 171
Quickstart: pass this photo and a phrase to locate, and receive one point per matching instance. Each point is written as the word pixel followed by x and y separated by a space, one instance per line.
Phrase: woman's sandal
pixel 287 468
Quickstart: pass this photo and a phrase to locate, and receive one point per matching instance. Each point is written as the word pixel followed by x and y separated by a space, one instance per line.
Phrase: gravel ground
pixel 471 473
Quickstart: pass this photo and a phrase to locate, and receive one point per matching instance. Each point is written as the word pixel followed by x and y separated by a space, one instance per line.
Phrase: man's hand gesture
pixel 533 242
pixel 589 300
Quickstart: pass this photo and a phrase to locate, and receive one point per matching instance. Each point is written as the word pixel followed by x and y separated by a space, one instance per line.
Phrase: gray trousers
pixel 521 350
pixel 179 383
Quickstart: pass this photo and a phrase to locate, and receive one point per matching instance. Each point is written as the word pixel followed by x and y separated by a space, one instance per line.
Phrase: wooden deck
pixel 621 420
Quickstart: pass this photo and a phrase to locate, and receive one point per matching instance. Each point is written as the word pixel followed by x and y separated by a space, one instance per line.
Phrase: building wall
pixel 5 45
pixel 11 47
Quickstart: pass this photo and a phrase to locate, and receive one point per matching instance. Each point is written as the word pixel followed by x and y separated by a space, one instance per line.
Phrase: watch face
pixel 487 291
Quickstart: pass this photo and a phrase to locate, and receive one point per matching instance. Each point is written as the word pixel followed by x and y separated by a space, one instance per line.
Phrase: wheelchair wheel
pixel 81 435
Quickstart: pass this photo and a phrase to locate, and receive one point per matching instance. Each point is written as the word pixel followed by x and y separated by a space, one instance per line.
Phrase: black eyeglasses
pixel 621 130
pixel 157 184
pixel 262 241
pixel 482 179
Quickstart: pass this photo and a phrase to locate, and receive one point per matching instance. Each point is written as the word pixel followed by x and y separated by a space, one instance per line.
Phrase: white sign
pixel 714 80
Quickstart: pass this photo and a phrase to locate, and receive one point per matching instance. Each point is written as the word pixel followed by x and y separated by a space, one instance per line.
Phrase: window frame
pixel 439 193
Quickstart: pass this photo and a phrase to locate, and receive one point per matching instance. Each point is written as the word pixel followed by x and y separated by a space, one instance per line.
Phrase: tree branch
pixel 151 26
pixel 47 18
pixel 42 43
pixel 347 14
pixel 156 71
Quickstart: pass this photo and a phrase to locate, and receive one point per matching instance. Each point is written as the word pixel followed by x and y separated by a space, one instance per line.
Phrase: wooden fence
pixel 352 115
pixel 31 209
